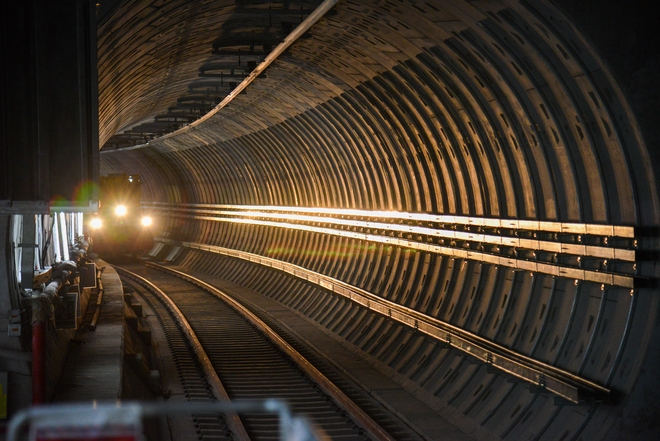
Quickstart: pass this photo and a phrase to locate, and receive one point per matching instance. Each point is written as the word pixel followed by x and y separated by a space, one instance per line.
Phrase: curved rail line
pixel 567 385
pixel 357 415
pixel 219 392
pixel 182 363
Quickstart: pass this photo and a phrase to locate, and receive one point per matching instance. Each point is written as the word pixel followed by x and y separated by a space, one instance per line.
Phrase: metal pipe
pixel 298 32
pixel 41 314
pixel 54 286
pixel 38 362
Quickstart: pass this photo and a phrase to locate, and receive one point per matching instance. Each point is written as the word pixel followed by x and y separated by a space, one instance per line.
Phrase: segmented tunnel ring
pixel 501 111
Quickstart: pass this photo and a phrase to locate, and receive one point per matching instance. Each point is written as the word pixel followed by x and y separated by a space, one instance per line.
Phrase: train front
pixel 121 228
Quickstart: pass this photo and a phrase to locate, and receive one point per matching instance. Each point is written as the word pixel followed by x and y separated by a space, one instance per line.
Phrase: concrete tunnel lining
pixel 485 109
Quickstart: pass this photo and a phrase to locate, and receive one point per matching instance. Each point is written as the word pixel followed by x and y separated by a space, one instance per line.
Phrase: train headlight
pixel 121 210
pixel 96 223
pixel 146 221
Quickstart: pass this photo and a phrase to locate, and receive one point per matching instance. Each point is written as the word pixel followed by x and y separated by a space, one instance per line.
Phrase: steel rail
pixel 602 277
pixel 233 420
pixel 327 386
pixel 560 382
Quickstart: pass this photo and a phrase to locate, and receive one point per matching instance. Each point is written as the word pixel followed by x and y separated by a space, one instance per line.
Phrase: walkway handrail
pixel 82 415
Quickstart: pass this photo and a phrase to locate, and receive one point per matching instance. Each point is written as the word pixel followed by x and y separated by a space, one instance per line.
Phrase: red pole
pixel 41 311
pixel 38 362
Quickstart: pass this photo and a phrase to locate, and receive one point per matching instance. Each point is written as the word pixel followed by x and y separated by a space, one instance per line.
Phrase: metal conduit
pixel 375 232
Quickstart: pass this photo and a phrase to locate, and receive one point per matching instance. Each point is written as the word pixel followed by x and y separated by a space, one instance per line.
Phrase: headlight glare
pixel 96 223
pixel 121 210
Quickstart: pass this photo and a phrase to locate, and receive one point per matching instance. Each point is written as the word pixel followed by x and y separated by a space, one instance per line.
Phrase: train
pixel 120 228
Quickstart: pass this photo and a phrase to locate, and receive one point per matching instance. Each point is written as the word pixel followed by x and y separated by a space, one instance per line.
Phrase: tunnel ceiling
pixel 470 108
pixel 484 112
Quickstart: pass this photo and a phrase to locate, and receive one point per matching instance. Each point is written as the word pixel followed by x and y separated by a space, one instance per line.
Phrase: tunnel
pixel 412 177
pixel 386 111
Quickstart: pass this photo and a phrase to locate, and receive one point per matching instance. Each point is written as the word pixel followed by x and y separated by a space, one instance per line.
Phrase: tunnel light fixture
pixel 146 221
pixel 608 278
pixel 444 233
pixel 121 210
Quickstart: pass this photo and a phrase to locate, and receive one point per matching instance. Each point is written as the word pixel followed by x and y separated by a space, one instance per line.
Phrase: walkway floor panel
pixel 94 366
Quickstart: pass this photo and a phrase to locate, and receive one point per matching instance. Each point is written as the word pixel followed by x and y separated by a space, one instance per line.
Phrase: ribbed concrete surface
pixel 494 109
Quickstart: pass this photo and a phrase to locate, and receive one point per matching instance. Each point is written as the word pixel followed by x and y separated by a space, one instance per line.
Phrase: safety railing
pixel 123 420
pixel 494 241
pixel 569 386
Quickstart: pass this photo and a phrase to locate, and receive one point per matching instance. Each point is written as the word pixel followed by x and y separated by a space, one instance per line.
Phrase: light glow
pixel 454 252
pixel 121 210
pixel 519 224
pixel 96 223
pixel 146 221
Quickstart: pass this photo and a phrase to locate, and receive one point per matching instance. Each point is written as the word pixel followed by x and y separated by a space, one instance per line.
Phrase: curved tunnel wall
pixel 148 53
pixel 506 118
pixel 492 109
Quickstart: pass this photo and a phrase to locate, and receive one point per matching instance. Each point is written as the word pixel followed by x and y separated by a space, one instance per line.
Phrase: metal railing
pixel 565 384
pixel 456 243
pixel 124 419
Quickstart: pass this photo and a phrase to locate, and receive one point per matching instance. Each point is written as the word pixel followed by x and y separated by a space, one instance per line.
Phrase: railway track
pixel 222 351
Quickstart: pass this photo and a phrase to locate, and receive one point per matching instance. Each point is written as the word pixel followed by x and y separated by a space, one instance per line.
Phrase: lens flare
pixel 121 210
